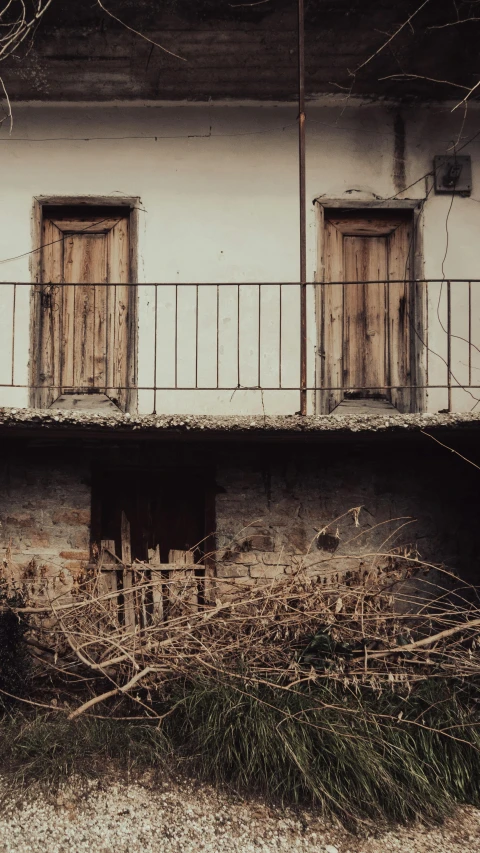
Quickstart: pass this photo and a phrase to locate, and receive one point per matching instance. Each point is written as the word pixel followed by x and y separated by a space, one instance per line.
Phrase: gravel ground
pixel 182 818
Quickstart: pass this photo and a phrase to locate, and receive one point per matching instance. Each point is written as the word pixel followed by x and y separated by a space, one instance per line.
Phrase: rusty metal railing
pixel 242 347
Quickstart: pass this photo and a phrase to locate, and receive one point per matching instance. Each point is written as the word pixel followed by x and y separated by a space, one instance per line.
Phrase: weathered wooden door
pixel 366 314
pixel 84 332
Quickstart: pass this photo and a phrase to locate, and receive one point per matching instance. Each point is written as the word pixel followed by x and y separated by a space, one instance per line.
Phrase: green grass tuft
pixel 355 755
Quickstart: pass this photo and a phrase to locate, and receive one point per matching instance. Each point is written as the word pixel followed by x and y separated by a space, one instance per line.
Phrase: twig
pixel 427 641
pixel 391 38
pixel 124 689
pixel 137 33
pixel 451 449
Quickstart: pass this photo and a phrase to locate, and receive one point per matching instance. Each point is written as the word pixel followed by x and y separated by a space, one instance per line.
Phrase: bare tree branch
pixel 452 23
pixel 137 33
pixel 9 114
pixel 452 450
pixel 399 75
pixel 391 38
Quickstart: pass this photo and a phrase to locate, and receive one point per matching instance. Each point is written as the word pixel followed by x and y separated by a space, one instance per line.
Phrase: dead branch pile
pixel 389 630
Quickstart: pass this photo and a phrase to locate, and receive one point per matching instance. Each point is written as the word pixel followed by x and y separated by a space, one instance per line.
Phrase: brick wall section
pixel 270 512
pixel 45 521
pixel 271 504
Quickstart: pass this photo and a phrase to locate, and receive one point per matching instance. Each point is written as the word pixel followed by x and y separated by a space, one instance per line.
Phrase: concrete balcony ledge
pixel 67 422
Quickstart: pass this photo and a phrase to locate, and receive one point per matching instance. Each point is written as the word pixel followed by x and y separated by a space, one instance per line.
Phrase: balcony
pixel 241 348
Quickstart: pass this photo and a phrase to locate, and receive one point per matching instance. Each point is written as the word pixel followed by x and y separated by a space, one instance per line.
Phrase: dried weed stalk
pixel 388 628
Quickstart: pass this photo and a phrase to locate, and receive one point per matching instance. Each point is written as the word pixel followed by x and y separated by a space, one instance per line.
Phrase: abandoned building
pixel 240 297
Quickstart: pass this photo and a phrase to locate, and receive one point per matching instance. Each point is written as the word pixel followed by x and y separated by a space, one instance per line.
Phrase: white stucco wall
pixel 219 203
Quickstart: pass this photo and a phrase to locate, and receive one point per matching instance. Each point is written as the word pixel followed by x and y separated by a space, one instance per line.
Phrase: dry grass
pixel 358 695
pixel 405 623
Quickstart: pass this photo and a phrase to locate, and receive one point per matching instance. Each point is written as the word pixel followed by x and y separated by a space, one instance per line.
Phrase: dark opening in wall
pixel 169 508
pixel 152 530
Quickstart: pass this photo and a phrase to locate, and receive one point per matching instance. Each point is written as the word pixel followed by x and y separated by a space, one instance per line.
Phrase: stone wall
pixel 342 508
pixel 332 508
pixel 44 520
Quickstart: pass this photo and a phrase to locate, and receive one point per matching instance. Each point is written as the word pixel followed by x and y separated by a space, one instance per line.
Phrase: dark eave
pixel 242 51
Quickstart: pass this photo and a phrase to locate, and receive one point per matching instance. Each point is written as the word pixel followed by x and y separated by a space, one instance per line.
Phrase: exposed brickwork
pixel 277 514
pixel 44 522
pixel 277 509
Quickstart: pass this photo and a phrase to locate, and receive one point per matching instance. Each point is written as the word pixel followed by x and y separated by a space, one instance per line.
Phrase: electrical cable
pixel 155 138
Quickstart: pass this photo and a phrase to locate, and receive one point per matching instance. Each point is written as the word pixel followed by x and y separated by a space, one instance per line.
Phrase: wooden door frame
pixel 132 206
pixel 418 303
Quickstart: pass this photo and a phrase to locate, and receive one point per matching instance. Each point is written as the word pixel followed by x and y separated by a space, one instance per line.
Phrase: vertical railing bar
pixel 259 368
pixel 469 332
pixel 449 345
pixel 238 336
pixel 196 336
pixel 427 330
pixel 218 334
pixel 14 309
pixel 155 351
pixel 114 320
pixel 386 351
pixel 176 336
pixel 107 313
pixel 74 335
pixel 61 354
pixel 344 347
pixel 94 329
pixel 280 319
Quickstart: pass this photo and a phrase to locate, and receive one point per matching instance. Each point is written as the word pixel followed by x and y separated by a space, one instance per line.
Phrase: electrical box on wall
pixel 453 174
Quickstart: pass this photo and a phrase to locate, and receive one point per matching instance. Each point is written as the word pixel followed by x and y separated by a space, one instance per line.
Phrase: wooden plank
pixel 399 319
pixel 181 558
pixel 108 561
pixel 157 583
pixel 85 261
pixel 366 407
pixel 366 225
pixel 365 314
pixel 68 321
pixel 85 403
pixel 107 581
pixel 331 343
pixel 183 587
pixel 48 344
pixel 125 538
pixel 128 599
pixel 119 313
pixel 87 224
pixel 99 358
pixel 107 551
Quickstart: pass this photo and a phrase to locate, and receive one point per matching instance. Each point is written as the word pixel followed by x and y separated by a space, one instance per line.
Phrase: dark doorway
pixel 169 508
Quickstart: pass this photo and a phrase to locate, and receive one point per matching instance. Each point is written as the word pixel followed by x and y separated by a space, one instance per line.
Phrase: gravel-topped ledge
pixel 183 818
pixel 58 420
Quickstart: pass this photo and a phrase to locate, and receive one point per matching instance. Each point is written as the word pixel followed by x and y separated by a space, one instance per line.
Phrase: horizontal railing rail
pixel 167 341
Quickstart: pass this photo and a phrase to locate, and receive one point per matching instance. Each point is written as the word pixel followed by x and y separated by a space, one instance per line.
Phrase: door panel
pixel 365 332
pixel 85 261
pixel 84 336
pixel 364 314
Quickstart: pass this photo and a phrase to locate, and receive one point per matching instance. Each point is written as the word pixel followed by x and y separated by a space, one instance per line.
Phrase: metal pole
pixel 302 198
pixel 449 344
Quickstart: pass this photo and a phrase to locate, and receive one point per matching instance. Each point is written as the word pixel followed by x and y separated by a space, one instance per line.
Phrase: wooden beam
pixel 128 601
